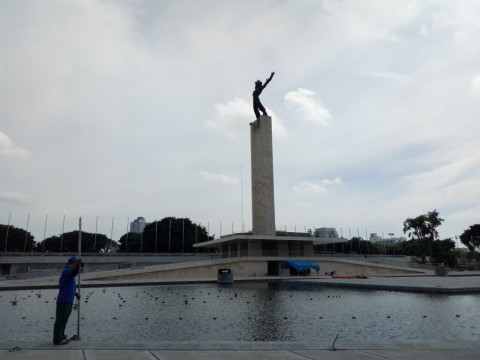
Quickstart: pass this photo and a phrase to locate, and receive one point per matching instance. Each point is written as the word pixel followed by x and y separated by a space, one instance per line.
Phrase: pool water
pixel 244 312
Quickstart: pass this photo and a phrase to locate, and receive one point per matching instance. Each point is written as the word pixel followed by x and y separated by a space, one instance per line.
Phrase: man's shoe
pixel 63 342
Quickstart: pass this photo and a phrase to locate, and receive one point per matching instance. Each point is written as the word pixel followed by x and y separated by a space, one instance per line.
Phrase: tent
pixel 300 265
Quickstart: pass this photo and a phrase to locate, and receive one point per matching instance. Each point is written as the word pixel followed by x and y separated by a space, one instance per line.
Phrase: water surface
pixel 245 312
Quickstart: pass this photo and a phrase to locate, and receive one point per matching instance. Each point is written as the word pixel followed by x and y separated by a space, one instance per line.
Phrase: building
pixel 376 239
pixel 326 233
pixel 138 225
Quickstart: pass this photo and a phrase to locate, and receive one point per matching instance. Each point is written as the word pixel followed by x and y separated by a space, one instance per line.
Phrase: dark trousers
pixel 63 312
pixel 257 105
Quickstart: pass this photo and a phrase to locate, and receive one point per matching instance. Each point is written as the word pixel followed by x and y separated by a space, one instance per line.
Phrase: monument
pixel 263 201
pixel 264 249
pixel 257 104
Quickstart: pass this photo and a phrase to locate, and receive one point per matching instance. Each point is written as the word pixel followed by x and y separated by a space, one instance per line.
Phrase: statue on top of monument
pixel 257 105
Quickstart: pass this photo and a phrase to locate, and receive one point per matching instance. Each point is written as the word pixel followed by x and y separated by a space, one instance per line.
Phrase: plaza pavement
pixel 465 282
pixel 455 283
pixel 78 350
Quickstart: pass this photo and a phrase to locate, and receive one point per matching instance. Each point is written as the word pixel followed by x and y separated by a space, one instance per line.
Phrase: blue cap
pixel 73 259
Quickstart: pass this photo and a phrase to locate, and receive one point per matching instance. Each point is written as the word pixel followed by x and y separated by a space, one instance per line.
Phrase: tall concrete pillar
pixel 263 202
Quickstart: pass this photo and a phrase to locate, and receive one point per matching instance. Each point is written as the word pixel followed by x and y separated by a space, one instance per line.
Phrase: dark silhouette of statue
pixel 257 105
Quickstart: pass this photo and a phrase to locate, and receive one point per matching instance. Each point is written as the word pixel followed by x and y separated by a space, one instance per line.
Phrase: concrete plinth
pixel 263 202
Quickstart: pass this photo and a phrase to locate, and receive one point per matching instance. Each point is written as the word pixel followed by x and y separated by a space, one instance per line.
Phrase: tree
pixel 169 235
pixel 16 239
pixel 423 229
pixel 471 237
pixel 401 248
pixel 131 242
pixel 68 242
pixel 356 244
pixel 443 251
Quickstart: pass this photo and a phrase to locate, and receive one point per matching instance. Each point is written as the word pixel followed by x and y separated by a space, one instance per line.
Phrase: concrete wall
pixel 247 268
pixel 346 268
pixel 240 269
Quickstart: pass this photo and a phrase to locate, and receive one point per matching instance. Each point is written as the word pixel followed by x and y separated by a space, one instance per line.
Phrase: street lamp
pixel 393 247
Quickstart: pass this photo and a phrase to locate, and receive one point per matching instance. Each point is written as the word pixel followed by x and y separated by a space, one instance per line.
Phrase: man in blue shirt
pixel 67 293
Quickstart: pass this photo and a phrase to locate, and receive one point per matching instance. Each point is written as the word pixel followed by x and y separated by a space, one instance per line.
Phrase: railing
pixel 85 254
pixel 471 267
pixel 91 267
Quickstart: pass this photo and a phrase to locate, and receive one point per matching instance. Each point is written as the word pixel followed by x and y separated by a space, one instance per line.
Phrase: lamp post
pixel 8 226
pixel 393 247
pixel 474 252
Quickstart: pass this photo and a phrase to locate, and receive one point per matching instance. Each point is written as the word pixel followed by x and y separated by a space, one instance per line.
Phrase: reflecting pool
pixel 244 312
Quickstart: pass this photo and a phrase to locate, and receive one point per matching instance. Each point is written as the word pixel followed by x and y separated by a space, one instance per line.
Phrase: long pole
pixel 359 245
pixel 79 272
pixel 6 238
pixel 169 235
pixel 63 230
pixel 241 186
pixel 156 232
pixel 350 237
pixel 45 232
pixel 111 231
pixel 126 240
pixel 95 239
pixel 366 238
pixel 26 233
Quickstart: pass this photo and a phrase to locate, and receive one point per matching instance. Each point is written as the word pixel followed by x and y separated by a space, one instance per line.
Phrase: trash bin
pixel 441 271
pixel 225 276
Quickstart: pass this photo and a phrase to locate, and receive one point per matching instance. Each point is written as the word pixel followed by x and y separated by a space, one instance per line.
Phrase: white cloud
pixel 309 187
pixel 333 181
pixel 8 148
pixel 12 196
pixel 217 178
pixel 232 117
pixel 303 205
pixel 278 130
pixel 392 76
pixel 475 86
pixel 304 101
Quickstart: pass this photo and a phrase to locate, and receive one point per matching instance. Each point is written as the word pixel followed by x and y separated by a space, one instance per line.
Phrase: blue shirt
pixel 67 286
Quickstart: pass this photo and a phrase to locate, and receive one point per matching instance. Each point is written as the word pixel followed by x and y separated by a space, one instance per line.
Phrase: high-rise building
pixel 326 233
pixel 385 241
pixel 138 225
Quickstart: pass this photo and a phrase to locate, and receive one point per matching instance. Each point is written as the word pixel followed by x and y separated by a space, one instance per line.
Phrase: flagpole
pixel 79 272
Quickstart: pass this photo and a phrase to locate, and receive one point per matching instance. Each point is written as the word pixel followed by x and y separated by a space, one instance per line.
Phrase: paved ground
pixel 232 351
pixel 460 282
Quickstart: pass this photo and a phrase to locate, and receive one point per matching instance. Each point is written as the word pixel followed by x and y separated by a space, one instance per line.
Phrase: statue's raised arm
pixel 268 80
pixel 257 105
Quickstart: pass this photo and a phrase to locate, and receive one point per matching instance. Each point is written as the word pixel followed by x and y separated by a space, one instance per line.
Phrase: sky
pixel 111 110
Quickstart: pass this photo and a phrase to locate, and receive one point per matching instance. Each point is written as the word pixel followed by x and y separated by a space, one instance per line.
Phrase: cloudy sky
pixel 112 110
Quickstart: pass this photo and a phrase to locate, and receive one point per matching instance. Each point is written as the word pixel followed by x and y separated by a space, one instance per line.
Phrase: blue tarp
pixel 300 265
